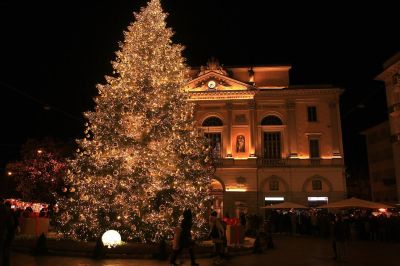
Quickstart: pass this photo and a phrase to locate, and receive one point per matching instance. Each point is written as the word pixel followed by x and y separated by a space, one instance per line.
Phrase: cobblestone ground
pixel 289 251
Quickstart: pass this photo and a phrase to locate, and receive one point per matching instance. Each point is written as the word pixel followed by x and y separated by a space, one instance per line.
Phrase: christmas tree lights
pixel 142 161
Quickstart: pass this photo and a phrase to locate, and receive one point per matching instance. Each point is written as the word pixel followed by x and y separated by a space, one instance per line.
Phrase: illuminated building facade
pixel 272 142
pixel 391 76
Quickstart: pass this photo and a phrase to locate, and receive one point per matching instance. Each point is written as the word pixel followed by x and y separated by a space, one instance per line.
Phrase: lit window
pixel 215 143
pixel 214 138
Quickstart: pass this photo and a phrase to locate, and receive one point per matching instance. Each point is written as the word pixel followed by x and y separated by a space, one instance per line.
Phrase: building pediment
pixel 214 78
pixel 212 81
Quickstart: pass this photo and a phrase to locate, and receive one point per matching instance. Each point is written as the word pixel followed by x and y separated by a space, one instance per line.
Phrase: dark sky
pixel 53 53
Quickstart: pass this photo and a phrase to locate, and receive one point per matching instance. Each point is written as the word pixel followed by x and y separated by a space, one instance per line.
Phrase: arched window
pixel 212 121
pixel 214 138
pixel 271 120
pixel 216 185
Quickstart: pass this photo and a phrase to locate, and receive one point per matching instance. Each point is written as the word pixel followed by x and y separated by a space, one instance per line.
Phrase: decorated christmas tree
pixel 142 162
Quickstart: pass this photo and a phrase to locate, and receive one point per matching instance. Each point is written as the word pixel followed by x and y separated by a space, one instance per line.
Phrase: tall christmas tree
pixel 142 161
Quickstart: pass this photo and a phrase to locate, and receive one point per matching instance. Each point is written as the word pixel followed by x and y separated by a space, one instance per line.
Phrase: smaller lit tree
pixel 38 175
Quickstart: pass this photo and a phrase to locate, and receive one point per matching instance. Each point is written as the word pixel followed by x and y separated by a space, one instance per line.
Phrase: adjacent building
pixel 272 141
pixel 380 161
pixel 391 76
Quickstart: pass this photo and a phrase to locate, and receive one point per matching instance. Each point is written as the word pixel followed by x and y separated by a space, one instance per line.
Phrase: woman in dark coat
pixel 185 239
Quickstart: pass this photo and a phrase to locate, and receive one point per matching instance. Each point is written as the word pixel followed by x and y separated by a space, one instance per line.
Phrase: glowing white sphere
pixel 111 238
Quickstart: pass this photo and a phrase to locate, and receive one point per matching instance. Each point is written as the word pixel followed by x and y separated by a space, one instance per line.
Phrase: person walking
pixel 185 239
pixel 217 234
pixel 339 238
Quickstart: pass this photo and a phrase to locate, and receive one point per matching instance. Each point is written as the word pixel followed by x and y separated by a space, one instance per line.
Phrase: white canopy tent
pixel 355 203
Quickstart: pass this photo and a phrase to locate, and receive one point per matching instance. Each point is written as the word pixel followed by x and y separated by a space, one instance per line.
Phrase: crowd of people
pixel 342 226
pixel 359 225
pixel 217 234
pixel 11 219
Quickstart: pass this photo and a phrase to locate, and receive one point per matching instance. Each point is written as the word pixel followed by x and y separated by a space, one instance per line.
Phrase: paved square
pixel 289 251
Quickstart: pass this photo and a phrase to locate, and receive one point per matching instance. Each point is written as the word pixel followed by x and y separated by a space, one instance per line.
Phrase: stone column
pixel 252 107
pixel 229 129
pixel 334 128
pixel 292 128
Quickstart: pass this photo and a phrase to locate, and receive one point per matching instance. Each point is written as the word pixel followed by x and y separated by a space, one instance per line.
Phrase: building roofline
pixel 393 59
pixel 387 65
pixel 374 127
pixel 287 66
pixel 316 86
pixel 300 86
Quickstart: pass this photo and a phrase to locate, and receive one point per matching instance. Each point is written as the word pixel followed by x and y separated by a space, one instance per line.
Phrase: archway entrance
pixel 217 191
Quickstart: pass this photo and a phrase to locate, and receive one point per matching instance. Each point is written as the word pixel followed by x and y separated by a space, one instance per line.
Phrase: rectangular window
pixel 215 143
pixel 312 113
pixel 272 145
pixel 274 185
pixel 314 149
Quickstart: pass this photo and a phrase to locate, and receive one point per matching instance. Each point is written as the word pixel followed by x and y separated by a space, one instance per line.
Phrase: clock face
pixel 211 84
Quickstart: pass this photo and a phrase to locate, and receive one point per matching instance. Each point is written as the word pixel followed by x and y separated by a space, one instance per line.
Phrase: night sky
pixel 53 53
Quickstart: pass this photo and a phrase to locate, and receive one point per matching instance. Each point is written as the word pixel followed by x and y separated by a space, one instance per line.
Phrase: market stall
pixel 32 217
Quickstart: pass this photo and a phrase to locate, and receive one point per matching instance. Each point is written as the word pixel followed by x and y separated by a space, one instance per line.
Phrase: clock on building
pixel 211 84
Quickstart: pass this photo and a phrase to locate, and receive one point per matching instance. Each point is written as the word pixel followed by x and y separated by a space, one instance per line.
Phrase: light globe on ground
pixel 111 238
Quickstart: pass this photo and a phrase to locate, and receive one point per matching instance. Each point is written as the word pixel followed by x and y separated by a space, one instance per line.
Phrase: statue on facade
pixel 240 143
pixel 212 65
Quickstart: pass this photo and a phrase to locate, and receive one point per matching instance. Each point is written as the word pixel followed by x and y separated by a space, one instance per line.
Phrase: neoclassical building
pixel 272 142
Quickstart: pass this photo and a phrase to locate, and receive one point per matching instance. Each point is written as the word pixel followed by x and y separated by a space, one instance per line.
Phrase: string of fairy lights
pixel 142 161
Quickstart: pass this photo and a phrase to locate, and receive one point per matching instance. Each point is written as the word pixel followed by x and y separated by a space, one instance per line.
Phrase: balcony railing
pixel 273 162
pixel 317 162
pixel 264 162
